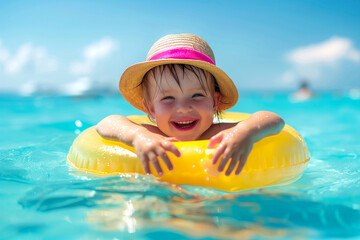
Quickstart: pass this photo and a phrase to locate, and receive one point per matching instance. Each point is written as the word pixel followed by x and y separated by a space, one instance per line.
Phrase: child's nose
pixel 184 106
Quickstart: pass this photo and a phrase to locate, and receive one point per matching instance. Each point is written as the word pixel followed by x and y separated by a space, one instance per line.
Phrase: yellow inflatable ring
pixel 274 160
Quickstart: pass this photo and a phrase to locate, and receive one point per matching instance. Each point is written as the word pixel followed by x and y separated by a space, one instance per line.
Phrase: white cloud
pixel 21 58
pixel 92 54
pixel 330 51
pixel 42 62
pixel 78 87
pixel 316 60
pixel 27 55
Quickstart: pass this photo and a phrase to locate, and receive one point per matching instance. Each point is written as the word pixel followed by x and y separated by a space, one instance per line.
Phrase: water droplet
pixel 78 123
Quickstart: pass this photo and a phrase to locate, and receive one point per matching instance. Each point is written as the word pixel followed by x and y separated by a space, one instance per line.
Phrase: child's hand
pixel 150 146
pixel 235 143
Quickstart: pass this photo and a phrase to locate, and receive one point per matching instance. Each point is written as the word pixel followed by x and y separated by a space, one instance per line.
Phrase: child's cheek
pixel 163 107
pixel 204 104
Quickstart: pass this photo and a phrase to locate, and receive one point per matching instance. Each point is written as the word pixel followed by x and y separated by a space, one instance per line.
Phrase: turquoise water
pixel 41 197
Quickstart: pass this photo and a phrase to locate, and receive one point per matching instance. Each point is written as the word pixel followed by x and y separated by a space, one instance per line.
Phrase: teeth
pixel 184 122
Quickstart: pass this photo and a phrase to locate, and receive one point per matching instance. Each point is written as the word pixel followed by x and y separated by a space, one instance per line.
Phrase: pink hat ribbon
pixel 182 53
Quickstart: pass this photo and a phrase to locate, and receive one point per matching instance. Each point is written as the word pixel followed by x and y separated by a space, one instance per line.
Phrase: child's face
pixel 184 113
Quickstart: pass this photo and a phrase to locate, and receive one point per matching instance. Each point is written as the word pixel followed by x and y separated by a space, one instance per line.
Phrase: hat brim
pixel 131 90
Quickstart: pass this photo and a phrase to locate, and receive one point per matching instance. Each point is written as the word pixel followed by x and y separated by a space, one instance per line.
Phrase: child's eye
pixel 167 98
pixel 198 95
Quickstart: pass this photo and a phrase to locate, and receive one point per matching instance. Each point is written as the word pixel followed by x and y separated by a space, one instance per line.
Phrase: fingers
pixel 236 159
pixel 153 158
pixel 217 154
pixel 232 165
pixel 154 155
pixel 242 162
pixel 145 162
pixel 224 160
pixel 155 162
pixel 170 147
pixel 215 140
pixel 165 158
pixel 241 165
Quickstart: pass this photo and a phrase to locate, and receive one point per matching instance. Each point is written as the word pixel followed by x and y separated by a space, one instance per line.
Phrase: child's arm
pixel 149 144
pixel 236 142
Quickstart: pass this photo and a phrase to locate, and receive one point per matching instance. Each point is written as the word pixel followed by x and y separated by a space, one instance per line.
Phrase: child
pixel 181 89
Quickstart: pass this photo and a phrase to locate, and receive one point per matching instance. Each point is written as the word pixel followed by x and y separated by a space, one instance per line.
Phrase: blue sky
pixel 75 46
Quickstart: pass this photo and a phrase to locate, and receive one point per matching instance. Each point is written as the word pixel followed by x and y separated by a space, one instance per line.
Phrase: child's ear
pixel 149 110
pixel 217 100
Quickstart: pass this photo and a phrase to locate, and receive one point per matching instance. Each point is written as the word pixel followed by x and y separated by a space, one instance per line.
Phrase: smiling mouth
pixel 185 125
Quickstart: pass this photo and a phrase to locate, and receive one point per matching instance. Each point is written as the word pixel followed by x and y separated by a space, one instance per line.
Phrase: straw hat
pixel 177 49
